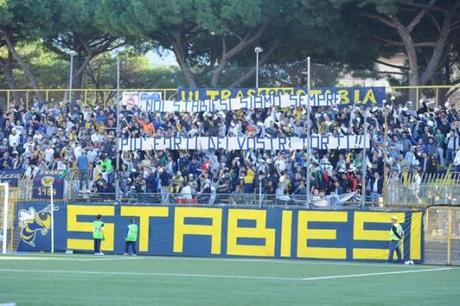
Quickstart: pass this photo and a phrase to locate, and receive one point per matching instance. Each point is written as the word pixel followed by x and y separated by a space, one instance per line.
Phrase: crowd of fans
pixel 83 139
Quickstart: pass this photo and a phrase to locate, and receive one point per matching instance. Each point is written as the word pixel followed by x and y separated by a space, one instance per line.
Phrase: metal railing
pixel 442 235
pixel 90 97
pixel 226 199
pixel 436 93
pixel 434 189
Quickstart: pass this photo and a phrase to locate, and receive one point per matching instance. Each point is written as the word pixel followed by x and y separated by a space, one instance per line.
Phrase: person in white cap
pixel 396 237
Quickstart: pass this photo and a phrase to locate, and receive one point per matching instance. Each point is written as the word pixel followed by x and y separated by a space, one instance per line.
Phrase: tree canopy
pixel 213 40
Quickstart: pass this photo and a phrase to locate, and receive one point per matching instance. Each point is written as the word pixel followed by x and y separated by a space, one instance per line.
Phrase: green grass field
pixel 39 279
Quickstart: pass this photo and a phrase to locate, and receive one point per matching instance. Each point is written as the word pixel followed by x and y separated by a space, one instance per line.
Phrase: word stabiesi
pixel 149 104
pixel 225 231
pixel 346 142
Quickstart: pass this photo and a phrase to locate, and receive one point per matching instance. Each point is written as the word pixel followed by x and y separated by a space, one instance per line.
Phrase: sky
pixel 167 59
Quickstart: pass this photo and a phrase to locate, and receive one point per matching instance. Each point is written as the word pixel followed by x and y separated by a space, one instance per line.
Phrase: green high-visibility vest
pixel 107 165
pixel 132 232
pixel 97 229
pixel 396 232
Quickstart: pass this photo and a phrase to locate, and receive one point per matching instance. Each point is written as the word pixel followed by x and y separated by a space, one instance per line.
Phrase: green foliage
pixel 213 40
pixel 52 71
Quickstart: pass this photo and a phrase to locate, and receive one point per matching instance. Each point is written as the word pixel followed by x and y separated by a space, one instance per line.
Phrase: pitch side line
pixel 373 274
pixel 191 275
pixel 217 259
pixel 76 259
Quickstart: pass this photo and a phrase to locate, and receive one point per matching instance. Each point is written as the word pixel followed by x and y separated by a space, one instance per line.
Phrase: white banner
pixel 348 142
pixel 151 102
pixel 140 99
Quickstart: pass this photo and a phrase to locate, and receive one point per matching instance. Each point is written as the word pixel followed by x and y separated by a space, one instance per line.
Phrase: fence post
pixel 7 100
pixel 437 96
pixel 27 100
pixel 417 93
pixel 449 236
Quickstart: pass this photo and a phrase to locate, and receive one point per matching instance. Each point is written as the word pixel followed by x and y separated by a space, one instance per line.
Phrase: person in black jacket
pixel 376 187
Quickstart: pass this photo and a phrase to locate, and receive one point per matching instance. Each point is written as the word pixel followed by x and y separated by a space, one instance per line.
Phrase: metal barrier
pixel 434 189
pixel 442 235
pixel 89 97
pixel 225 199
pixel 436 93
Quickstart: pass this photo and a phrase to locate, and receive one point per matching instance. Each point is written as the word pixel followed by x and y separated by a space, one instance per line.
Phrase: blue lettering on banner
pixel 241 144
pixel 211 144
pixel 324 142
pixel 363 96
pixel 357 141
pixel 177 104
pixel 177 143
pixel 260 143
pixel 339 137
pixel 282 142
pixel 244 143
pixel 314 142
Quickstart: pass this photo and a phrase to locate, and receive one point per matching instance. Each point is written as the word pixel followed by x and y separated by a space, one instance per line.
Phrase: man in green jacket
pixel 131 237
pixel 396 237
pixel 98 234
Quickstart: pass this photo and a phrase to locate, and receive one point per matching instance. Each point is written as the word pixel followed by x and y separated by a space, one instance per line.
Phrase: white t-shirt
pixel 60 166
pixel 49 154
pixel 77 151
pixel 13 140
pixel 96 138
pixel 457 158
pixel 92 155
pixel 186 192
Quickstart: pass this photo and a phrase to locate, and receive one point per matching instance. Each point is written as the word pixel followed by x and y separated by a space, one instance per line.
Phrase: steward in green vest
pixel 396 237
pixel 131 237
pixel 98 234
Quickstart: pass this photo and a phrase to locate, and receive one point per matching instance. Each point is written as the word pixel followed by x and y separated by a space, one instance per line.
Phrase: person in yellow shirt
pixel 248 180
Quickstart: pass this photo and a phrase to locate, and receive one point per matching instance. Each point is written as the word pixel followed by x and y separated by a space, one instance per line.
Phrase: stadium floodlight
pixel 5 216
pixel 72 54
pixel 257 50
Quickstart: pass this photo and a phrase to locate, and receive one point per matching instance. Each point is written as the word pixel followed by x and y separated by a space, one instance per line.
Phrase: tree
pixel 18 20
pixel 135 72
pixel 315 29
pixel 73 28
pixel 204 35
pixel 424 30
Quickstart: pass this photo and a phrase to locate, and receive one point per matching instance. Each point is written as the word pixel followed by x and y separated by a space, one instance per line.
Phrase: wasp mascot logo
pixel 32 221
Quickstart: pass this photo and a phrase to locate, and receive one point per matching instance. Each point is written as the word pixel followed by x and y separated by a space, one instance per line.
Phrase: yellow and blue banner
pixel 223 231
pixel 349 96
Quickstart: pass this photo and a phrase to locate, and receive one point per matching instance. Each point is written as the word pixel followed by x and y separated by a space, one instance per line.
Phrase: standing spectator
pixel 165 179
pixel 83 171
pixel 376 187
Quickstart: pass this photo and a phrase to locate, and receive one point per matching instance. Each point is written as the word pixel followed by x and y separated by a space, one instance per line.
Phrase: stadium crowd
pixel 83 139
